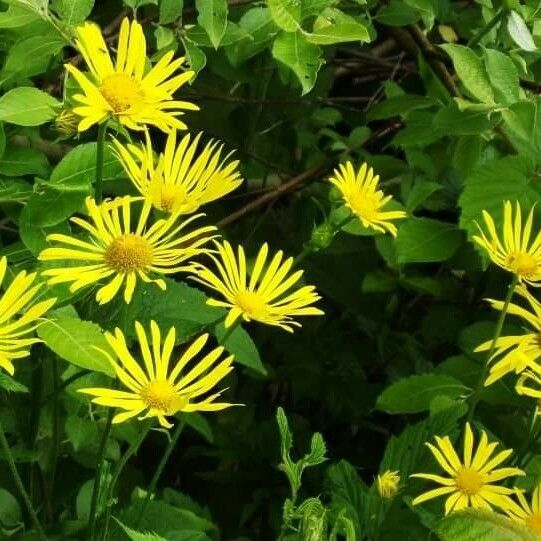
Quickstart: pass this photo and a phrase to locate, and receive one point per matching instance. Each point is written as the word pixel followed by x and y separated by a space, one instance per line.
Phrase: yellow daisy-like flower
pixel 528 514
pixel 517 352
pixel 157 387
pixel 15 328
pixel 66 122
pixel 514 253
pixel 361 195
pixel 123 90
pixel 470 480
pixel 181 180
pixel 121 253
pixel 387 484
pixel 266 297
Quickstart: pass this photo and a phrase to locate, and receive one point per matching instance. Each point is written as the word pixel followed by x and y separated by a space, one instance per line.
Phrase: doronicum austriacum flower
pixel 470 480
pixel 123 252
pixel 514 252
pixel 515 353
pixel 125 90
pixel 18 317
pixel 360 193
pixel 266 296
pixel 387 484
pixel 528 514
pixel 181 179
pixel 157 387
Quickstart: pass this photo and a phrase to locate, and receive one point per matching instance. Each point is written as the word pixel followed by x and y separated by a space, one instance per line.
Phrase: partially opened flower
pixel 19 317
pixel 126 90
pixel 513 251
pixel 361 195
pixel 529 383
pixel 528 514
pixel 181 179
pixel 470 480
pixel 267 296
pixel 121 252
pixel 387 484
pixel 158 387
pixel 515 353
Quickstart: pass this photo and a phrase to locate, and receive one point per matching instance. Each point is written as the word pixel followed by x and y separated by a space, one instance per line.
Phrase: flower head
pixel 527 514
pixel 387 484
pixel 266 296
pixel 514 252
pixel 361 195
pixel 66 122
pixel 124 90
pixel 470 480
pixel 181 180
pixel 515 353
pixel 122 252
pixel 18 317
pixel 156 386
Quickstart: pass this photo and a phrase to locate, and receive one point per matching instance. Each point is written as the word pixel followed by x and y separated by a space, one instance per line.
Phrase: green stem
pixel 159 470
pixel 132 449
pixel 486 29
pixel 476 396
pixel 18 482
pixel 92 517
pixel 98 186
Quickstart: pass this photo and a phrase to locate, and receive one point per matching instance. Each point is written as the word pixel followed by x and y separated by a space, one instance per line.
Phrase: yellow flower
pixel 180 181
pixel 517 352
pixel 387 484
pixel 469 481
pixel 266 297
pixel 123 90
pixel 14 328
pixel 514 253
pixel 121 253
pixel 361 195
pixel 155 386
pixel 527 377
pixel 66 122
pixel 529 515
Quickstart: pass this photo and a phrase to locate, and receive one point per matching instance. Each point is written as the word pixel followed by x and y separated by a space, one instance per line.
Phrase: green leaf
pixel 11 385
pixel 503 76
pixel 81 432
pixel 423 240
pixel 519 32
pixel 450 120
pixel 170 10
pixel 77 169
pixel 473 525
pixel 310 8
pixel 334 26
pixel 292 50
pixel 27 106
pixel 10 511
pixel 139 536
pixel 286 13
pixel 196 58
pixel 75 341
pixel 523 126
pixel 471 71
pixel 399 106
pixel 397 13
pixel 18 161
pixel 14 190
pixel 415 393
pixel 50 207
pixel 212 16
pixel 199 423
pixel 28 57
pixel 73 12
pixel 16 16
pixel 242 346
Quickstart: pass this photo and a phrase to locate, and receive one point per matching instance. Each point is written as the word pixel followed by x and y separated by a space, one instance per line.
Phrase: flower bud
pixel 387 484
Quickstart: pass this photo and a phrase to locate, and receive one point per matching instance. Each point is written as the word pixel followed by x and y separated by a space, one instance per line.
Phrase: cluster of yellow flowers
pixel 144 238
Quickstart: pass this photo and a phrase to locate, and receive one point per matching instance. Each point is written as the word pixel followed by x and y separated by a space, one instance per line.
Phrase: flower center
pixel 534 522
pixel 469 481
pixel 171 197
pixel 365 205
pixel 522 264
pixel 120 91
pixel 251 304
pixel 129 253
pixel 159 394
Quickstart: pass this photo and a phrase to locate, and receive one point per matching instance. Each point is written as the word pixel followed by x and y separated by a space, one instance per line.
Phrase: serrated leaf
pixel 140 536
pixel 292 50
pixel 423 240
pixel 27 106
pixel 473 525
pixel 415 393
pixel 212 16
pixel 75 341
pixel 471 71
